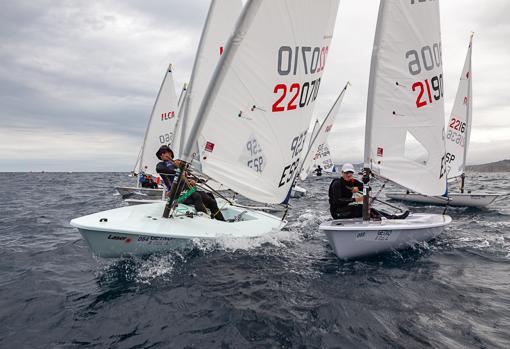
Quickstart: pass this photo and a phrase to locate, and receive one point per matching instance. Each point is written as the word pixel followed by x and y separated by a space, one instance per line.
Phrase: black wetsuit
pixel 199 199
pixel 340 196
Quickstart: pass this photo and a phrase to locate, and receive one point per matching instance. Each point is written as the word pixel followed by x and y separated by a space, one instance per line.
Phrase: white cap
pixel 348 168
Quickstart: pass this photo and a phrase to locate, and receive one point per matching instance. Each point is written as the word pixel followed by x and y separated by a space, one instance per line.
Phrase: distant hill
pixel 498 166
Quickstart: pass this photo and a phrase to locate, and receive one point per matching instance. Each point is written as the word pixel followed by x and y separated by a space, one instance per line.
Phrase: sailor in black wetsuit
pixel 318 171
pixel 201 200
pixel 341 192
pixel 341 198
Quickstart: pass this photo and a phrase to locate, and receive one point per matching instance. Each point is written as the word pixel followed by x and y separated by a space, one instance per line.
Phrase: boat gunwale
pixel 356 225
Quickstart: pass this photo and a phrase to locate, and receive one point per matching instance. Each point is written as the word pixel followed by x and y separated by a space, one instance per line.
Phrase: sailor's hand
pixel 355 189
pixel 177 163
pixel 359 198
pixel 192 182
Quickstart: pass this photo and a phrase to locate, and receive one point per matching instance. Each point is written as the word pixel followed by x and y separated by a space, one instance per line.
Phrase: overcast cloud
pixel 78 78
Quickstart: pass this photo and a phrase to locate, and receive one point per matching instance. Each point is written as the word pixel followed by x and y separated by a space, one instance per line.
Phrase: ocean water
pixel 287 290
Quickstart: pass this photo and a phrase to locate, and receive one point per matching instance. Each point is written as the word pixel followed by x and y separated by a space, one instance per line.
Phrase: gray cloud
pixel 73 72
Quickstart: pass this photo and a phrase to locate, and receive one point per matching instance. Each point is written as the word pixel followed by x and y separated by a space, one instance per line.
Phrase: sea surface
pixel 287 290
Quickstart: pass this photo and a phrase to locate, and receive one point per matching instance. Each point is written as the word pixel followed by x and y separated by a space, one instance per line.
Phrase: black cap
pixel 163 149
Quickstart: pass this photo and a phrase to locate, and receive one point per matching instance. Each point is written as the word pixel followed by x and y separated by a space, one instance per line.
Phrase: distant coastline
pixel 498 166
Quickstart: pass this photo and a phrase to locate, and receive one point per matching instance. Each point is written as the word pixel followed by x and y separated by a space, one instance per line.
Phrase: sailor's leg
pixel 195 200
pixel 210 202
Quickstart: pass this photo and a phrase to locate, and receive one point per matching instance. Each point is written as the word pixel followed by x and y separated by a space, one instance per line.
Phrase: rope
pixel 213 190
pixel 390 205
pixel 379 192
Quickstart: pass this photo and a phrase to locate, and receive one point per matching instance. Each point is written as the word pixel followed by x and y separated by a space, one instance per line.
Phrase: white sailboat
pixel 457 143
pixel 160 130
pixel 318 151
pixel 251 128
pixel 405 103
pixel 217 28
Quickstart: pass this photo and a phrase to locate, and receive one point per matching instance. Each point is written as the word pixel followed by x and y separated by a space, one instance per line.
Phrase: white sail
pixel 458 127
pixel 404 135
pixel 218 27
pixel 261 98
pixel 160 129
pixel 137 163
pixel 318 151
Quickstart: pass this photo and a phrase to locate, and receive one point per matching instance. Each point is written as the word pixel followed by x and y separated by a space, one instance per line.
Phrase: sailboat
pixel 250 131
pixel 457 142
pixel 216 32
pixel 318 151
pixel 159 131
pixel 405 102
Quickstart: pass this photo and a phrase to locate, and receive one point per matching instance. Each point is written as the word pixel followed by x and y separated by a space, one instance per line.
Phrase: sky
pixel 78 78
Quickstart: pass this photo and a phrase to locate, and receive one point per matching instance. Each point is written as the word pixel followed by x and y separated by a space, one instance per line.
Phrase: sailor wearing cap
pixel 341 192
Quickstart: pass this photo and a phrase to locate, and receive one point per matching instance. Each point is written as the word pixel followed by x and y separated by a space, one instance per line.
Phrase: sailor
pixel 345 201
pixel 146 180
pixel 167 168
pixel 318 171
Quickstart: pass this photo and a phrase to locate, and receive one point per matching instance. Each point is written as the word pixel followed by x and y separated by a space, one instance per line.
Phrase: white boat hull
pixel 297 192
pixel 133 202
pixel 454 199
pixel 352 238
pixel 127 191
pixel 141 230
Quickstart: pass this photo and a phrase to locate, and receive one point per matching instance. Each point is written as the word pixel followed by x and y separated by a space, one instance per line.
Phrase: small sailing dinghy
pixel 160 130
pixel 457 142
pixel 318 151
pixel 250 129
pixel 404 102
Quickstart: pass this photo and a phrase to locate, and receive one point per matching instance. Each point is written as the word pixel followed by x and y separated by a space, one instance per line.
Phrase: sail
pixel 318 151
pixel 404 131
pixel 260 101
pixel 458 127
pixel 219 24
pixel 137 163
pixel 160 129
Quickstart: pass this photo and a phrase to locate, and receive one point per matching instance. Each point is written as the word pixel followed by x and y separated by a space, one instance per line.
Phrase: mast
pixel 183 93
pixel 249 12
pixel 189 92
pixel 468 114
pixel 370 111
pixel 233 43
pixel 315 134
